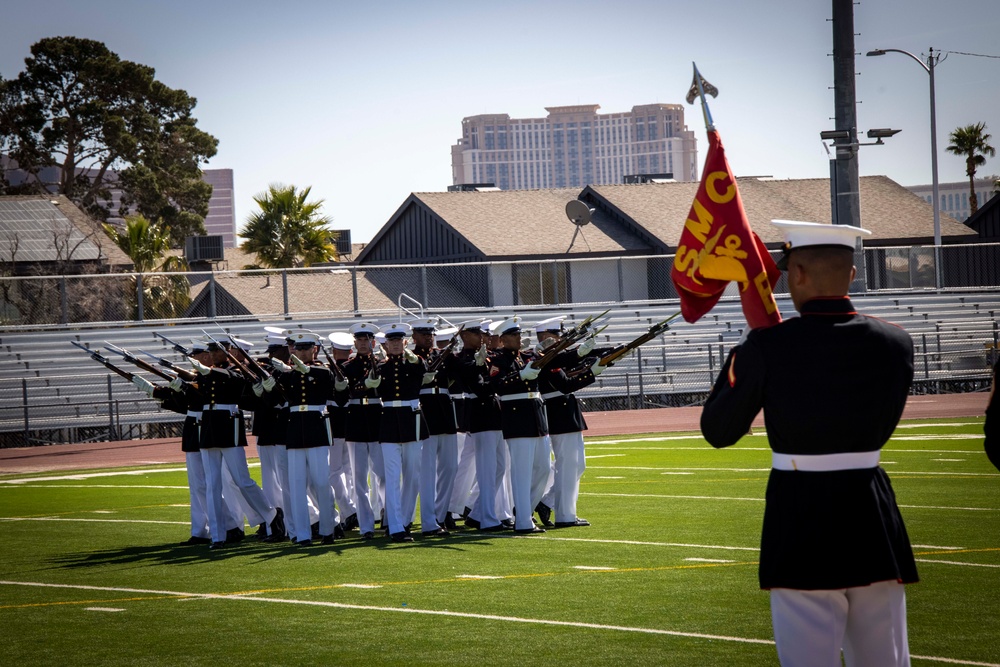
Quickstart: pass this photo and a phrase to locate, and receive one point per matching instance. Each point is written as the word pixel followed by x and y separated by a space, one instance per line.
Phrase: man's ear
pixel 854 272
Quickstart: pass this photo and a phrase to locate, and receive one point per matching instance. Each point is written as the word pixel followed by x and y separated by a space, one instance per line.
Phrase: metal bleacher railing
pixel 52 392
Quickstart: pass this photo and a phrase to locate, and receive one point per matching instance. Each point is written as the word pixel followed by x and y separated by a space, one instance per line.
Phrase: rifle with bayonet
pixel 576 333
pixel 131 358
pixel 176 346
pixel 101 359
pixel 446 352
pixel 184 374
pixel 334 366
pixel 233 360
pixel 258 370
pixel 652 333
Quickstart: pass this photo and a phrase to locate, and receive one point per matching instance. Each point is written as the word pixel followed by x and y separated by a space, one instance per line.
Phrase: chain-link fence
pixel 260 294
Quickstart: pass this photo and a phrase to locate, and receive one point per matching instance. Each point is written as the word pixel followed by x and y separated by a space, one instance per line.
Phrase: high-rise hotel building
pixel 574 146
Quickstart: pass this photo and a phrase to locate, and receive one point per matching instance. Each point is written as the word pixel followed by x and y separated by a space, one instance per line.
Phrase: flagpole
pixel 709 125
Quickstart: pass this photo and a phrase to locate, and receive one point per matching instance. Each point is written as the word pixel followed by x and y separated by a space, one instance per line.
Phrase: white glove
pixel 481 355
pixel 143 384
pixel 268 384
pixel 410 357
pixel 340 385
pixel 176 384
pixel 586 347
pixel 200 367
pixel 528 373
pixel 279 365
pixel 258 389
pixel 596 368
pixel 300 366
pixel 429 377
pixel 371 381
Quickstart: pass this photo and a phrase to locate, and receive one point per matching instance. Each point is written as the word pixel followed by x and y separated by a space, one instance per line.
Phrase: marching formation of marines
pixel 476 420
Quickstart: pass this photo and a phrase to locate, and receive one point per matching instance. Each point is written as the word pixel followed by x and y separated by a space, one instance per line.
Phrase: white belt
pixel 462 396
pixel 194 413
pixel 365 401
pixel 307 408
pixel 521 397
pixel 552 394
pixel 434 390
pixel 825 462
pixel 402 404
pixel 228 407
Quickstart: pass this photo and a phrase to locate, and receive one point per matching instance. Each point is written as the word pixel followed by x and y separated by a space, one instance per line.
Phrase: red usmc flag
pixel 718 246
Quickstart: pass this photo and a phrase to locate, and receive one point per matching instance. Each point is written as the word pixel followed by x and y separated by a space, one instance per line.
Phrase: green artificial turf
pixel 666 575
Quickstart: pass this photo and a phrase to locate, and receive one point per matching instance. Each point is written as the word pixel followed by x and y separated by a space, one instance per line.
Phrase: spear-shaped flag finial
pixel 699 88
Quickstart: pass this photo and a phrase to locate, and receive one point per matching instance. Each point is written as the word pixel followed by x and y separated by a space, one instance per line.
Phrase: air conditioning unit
pixel 343 241
pixel 204 249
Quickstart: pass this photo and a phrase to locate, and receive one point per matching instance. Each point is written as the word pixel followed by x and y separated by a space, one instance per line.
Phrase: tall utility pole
pixel 846 204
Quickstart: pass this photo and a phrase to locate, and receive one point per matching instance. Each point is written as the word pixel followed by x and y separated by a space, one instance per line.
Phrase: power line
pixel 978 55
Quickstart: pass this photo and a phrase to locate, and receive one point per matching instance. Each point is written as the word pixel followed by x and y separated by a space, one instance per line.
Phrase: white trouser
pixel 401 460
pixel 310 468
pixel 541 471
pixel 270 478
pixel 411 481
pixel 438 465
pixel 235 461
pixel 237 504
pixel 867 622
pixel 362 453
pixel 569 467
pixel 505 492
pixel 522 457
pixel 489 476
pixel 196 491
pixel 338 479
pixel 465 476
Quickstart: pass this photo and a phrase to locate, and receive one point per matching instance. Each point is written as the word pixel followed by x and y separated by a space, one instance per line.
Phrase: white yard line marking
pixel 937 507
pixel 949 460
pixel 931 546
pixel 680 468
pixel 358 586
pixel 91 475
pixel 710 560
pixel 603 456
pixel 599 477
pixel 101 609
pixel 940 436
pixel 410 610
pixel 653 495
pixel 935 425
pixel 952 562
pixel 649 544
pixel 591 567
pixel 677 473
pixel 55 518
pixel 454 614
pixel 476 576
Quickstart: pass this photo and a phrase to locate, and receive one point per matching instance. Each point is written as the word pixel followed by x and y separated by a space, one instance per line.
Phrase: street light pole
pixel 929 68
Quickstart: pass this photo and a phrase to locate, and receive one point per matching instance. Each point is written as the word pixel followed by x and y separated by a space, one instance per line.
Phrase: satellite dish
pixel 578 212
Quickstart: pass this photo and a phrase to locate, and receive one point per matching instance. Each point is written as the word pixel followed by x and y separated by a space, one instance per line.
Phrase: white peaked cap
pixel 341 340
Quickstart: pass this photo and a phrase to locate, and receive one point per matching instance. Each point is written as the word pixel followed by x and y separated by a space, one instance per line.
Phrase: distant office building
pixel 574 146
pixel 955 196
pixel 221 218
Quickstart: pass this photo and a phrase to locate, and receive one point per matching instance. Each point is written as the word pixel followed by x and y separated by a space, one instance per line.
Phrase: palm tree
pixel 288 231
pixel 146 244
pixel 972 141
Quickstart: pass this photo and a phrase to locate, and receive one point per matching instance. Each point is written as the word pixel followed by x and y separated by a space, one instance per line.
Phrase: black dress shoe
pixel 274 539
pixel 351 522
pixel 438 532
pixel 494 529
pixel 304 543
pixel 408 527
pixel 234 535
pixel 368 536
pixel 217 545
pixel 466 512
pixel 449 522
pixel 544 513
pixel 261 531
pixel 327 539
pixel 572 524
pixel 401 537
pixel 196 540
pixel 338 531
pixel 278 522
pixel 314 530
pixel 507 523
pixel 530 531
pixel 471 523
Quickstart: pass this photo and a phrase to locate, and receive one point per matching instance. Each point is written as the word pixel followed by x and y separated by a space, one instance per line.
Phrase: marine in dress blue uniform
pixel 832 384
pixel 364 415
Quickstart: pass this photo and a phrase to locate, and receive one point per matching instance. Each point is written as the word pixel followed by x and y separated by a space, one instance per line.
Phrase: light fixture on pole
pixel 932 60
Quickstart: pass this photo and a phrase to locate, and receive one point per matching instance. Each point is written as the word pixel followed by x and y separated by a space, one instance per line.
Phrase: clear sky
pixel 363 100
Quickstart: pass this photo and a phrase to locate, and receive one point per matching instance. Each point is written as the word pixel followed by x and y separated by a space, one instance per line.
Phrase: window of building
pixel 537 284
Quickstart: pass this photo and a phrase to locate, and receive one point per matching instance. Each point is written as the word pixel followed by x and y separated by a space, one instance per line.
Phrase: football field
pixel 92 572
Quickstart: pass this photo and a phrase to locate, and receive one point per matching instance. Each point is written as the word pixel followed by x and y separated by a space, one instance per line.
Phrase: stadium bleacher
pixel 49 388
